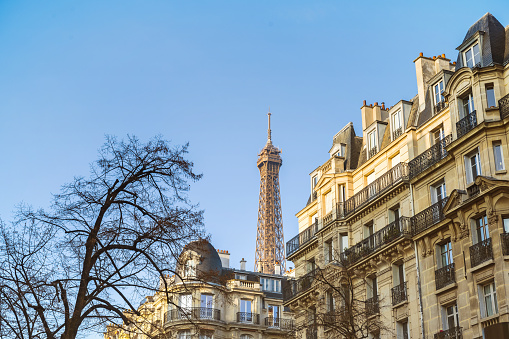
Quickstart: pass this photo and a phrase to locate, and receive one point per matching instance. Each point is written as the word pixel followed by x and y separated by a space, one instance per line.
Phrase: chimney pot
pixel 364 103
pixel 443 55
pixel 421 54
pixel 376 103
pixel 434 57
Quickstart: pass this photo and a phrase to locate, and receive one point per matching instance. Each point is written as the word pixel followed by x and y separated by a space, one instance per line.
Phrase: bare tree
pixel 107 239
pixel 340 305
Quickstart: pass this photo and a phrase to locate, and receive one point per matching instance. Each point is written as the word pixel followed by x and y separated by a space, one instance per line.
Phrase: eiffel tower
pixel 270 248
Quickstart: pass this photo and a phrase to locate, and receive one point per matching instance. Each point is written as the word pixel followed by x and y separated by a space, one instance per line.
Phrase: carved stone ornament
pixel 493 219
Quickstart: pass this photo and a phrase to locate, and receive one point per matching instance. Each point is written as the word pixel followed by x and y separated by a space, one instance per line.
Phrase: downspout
pixel 421 311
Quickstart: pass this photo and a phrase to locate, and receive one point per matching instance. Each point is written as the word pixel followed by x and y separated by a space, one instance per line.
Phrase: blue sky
pixel 205 72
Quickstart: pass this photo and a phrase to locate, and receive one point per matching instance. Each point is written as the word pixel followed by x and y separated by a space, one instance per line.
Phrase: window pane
pixel 499 163
pixel 490 96
pixel 468 56
pixel 477 55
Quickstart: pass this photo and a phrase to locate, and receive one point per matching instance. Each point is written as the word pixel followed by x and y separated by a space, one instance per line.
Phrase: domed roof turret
pixel 199 260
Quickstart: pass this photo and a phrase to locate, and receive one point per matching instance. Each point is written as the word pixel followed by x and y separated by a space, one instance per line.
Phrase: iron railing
pixel 399 293
pixel 300 239
pixel 378 187
pixel 445 276
pixel 372 152
pixel 439 107
pixel 466 124
pixel 396 133
pixel 504 238
pixel 481 252
pixel 335 214
pixel 202 313
pixel 429 157
pixel 291 288
pixel 429 217
pixel 473 190
pixel 503 106
pixel 284 324
pixel 374 242
pixel 247 317
pixel 372 306
pixel 452 333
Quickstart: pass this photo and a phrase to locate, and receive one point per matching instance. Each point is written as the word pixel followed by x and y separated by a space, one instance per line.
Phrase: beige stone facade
pixel 417 209
pixel 207 299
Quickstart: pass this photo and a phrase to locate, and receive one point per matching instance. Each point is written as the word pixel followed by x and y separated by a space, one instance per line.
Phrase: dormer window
pixel 397 129
pixel 472 56
pixel 372 143
pixel 437 92
pixel 314 181
pixel 190 269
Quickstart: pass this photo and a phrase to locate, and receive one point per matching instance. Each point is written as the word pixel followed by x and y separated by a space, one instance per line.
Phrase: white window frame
pixel 444 254
pixel 402 330
pixel 372 142
pixel 438 94
pixel 184 334
pixel 328 250
pixel 467 101
pixel 481 230
pixel 498 155
pixel 505 223
pixel 490 88
pixel 207 300
pixel 470 49
pixel 343 240
pixel 396 123
pixel 488 299
pixel 446 316
pixel 469 166
pixel 438 191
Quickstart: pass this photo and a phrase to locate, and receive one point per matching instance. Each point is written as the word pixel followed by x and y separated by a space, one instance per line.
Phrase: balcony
pixel 504 238
pixel 452 333
pixel 291 288
pixel 335 214
pixel 396 133
pixel 429 217
pixel 503 105
pixel 279 323
pixel 372 306
pixel 439 107
pixel 193 313
pixel 445 276
pixel 302 238
pixel 429 157
pixel 372 152
pixel 481 252
pixel 373 243
pixel 399 294
pixel 377 188
pixel 248 318
pixel 466 124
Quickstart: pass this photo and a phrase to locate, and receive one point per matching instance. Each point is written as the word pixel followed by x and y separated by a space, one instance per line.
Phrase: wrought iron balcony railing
pixel 439 107
pixel 504 238
pixel 429 157
pixel 503 106
pixel 377 188
pixel 374 242
pixel 335 214
pixel 283 324
pixel 452 333
pixel 372 306
pixel 481 252
pixel 429 217
pixel 399 293
pixel 466 124
pixel 195 313
pixel 300 239
pixel 372 152
pixel 291 288
pixel 396 133
pixel 445 276
pixel 248 318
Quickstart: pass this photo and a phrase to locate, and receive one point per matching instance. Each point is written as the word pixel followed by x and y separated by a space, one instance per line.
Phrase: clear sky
pixel 205 72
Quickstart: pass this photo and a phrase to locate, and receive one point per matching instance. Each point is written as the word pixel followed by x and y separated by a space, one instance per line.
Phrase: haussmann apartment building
pixel 414 210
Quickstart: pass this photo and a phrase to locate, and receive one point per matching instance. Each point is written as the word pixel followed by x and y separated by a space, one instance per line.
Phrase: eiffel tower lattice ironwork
pixel 270 250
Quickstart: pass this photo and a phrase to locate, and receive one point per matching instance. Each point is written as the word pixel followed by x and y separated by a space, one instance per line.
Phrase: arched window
pixel 246 336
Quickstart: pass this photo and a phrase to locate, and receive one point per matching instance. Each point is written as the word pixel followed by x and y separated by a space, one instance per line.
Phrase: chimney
pixel 259 268
pixel 242 265
pixel 225 258
pixel 277 268
pixel 424 71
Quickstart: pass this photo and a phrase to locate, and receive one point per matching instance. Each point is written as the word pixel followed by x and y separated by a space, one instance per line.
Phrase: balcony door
pixel 273 311
pixel 185 303
pixel 206 306
pixel 245 311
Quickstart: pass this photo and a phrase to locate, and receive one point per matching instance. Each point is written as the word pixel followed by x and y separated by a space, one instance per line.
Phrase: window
pixel 329 251
pixel 370 178
pixel 186 334
pixel 372 287
pixel 343 242
pixel 398 275
pixel 488 299
pixel 342 193
pixel 490 96
pixel 397 130
pixel 314 181
pixel 467 105
pixel 402 329
pixel 310 265
pixel 245 311
pixel 445 254
pixel 328 202
pixel 438 191
pixel 472 166
pixel 331 304
pixel 497 153
pixel 438 88
pixel 472 56
pixel 185 302
pixel 207 301
pixel 240 276
pixel 372 143
pixel 394 214
pixel 505 221
pixel 206 334
pixel 270 285
pixel 450 318
pixel 481 230
pixel 437 135
pixel 395 160
pixel 342 151
pixel 246 336
pixel 273 315
pixel 189 269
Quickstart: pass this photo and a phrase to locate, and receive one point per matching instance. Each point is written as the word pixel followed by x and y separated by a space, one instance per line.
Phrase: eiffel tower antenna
pixel 270 250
